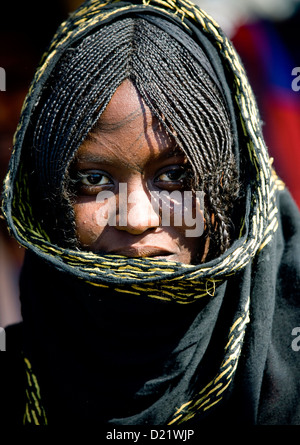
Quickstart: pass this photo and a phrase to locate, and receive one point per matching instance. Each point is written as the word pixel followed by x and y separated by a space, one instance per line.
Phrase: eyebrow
pixel 176 151
pixel 91 158
pixel 100 159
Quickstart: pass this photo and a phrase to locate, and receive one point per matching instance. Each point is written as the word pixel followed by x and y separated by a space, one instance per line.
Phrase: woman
pixel 132 317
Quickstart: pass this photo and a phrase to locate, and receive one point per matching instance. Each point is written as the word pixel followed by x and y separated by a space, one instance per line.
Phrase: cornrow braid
pixel 179 85
pixel 193 106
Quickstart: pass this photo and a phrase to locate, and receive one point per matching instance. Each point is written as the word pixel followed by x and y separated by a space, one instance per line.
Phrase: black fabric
pixel 120 352
pixel 13 380
pixel 146 342
pixel 130 359
pixel 125 349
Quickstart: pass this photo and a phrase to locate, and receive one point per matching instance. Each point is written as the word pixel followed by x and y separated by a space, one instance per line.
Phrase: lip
pixel 141 251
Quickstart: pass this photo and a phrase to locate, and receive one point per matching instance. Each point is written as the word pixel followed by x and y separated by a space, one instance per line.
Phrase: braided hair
pixel 181 92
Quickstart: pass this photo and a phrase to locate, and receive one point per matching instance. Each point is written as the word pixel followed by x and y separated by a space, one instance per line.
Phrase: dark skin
pixel 129 146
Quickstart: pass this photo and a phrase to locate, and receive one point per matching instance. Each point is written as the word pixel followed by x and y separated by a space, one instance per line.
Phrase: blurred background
pixel 265 34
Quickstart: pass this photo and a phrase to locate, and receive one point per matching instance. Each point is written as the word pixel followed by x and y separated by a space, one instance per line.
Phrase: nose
pixel 137 212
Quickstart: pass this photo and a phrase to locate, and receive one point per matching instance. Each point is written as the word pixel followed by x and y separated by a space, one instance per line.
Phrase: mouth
pixel 142 251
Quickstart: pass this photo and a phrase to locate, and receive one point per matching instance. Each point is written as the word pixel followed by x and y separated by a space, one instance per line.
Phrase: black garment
pixel 146 342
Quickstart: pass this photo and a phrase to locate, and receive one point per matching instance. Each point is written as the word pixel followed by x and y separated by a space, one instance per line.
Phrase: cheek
pixel 187 217
pixel 187 227
pixel 91 220
pixel 186 245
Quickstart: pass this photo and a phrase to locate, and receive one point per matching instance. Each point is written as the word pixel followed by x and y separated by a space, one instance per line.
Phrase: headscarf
pixel 131 341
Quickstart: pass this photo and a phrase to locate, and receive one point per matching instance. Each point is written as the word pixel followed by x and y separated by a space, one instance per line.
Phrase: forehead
pixel 128 130
pixel 125 103
pixel 126 111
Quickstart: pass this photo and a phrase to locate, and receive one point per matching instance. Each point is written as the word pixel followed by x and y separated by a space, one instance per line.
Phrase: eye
pixel 93 179
pixel 175 175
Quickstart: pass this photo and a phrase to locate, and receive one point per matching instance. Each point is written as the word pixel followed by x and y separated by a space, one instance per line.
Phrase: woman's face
pixel 133 197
